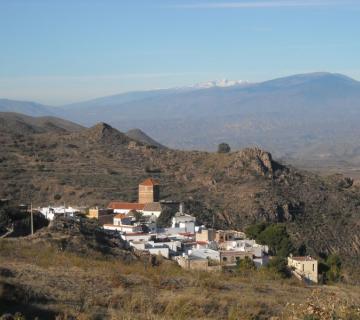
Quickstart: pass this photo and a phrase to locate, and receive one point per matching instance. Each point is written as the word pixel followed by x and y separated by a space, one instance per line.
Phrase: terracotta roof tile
pixel 126 205
pixel 149 182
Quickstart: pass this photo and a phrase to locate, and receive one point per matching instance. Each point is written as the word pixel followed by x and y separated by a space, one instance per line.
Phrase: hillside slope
pixel 18 123
pixel 141 136
pixel 26 107
pixel 308 119
pixel 73 270
pixel 100 164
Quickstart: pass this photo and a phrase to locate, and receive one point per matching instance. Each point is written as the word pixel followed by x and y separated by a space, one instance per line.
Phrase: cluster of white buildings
pixel 192 246
pixel 184 242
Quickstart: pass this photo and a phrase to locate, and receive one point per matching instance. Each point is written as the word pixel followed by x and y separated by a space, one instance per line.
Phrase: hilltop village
pixel 183 240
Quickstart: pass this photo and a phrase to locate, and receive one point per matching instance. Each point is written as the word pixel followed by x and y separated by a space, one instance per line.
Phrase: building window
pixel 313 267
pixel 303 267
pixel 224 259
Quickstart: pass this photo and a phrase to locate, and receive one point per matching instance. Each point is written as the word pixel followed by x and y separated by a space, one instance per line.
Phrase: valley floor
pixel 37 279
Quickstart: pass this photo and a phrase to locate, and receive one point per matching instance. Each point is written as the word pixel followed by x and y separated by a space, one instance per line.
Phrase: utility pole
pixel 31 219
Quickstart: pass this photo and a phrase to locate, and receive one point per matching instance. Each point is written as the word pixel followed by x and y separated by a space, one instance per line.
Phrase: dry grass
pixel 106 288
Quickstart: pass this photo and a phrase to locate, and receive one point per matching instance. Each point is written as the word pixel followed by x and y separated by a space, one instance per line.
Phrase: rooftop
pixel 150 182
pixel 125 205
pixel 152 206
pixel 307 258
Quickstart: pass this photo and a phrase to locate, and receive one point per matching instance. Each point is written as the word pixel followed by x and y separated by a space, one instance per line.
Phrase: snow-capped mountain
pixel 221 83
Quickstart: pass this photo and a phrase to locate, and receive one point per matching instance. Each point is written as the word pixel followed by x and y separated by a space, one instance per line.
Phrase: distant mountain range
pixel 311 118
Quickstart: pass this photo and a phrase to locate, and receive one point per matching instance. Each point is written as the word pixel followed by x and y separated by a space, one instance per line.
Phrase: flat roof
pixel 307 258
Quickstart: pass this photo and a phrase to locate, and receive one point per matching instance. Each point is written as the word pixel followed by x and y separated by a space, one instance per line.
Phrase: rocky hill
pixel 96 165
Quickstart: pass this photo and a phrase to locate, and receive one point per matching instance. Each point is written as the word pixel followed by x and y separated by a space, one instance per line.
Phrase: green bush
pixel 245 264
pixel 224 148
pixel 275 236
pixel 253 231
pixel 165 217
pixel 279 266
pixel 57 196
pixel 330 268
pixel 334 263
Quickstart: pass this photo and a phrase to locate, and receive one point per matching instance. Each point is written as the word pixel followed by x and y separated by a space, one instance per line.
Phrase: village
pixel 191 245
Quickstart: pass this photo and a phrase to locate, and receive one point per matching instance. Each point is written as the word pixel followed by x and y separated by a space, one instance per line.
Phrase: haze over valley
pixel 310 120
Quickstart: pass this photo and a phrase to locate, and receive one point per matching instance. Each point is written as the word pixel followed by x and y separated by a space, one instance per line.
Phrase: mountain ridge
pixel 293 116
pixel 18 123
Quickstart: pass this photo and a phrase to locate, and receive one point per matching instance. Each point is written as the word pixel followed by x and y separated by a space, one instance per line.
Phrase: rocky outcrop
pixel 83 236
pixel 105 134
pixel 254 160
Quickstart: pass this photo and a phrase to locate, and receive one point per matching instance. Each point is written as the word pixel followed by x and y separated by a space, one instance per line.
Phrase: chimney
pixel 181 208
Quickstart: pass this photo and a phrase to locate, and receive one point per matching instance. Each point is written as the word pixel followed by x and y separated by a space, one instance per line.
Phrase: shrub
pixel 224 148
pixel 273 235
pixel 334 272
pixel 279 266
pixel 165 217
pixel 57 196
pixel 245 264
pixel 253 231
pixel 302 250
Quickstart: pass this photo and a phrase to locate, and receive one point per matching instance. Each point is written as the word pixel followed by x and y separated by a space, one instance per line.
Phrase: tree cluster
pixel 273 235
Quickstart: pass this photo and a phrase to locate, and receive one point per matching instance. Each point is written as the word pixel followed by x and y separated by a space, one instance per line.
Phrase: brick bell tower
pixel 149 191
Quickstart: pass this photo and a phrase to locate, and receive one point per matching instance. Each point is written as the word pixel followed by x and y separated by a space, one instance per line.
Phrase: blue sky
pixel 57 52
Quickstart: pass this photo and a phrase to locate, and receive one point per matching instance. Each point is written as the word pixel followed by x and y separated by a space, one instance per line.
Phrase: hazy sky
pixel 61 51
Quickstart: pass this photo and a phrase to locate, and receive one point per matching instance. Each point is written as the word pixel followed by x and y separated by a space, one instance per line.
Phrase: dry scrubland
pixel 39 279
pixel 99 164
pixel 96 165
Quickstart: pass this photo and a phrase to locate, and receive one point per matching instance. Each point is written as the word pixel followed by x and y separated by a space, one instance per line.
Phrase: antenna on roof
pixel 31 219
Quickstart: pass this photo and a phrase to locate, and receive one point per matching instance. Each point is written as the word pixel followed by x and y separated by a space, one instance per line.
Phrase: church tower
pixel 149 191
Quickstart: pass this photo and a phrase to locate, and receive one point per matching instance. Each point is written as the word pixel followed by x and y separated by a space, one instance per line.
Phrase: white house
pixel 136 237
pixel 152 209
pixel 184 222
pixel 160 250
pixel 152 248
pixel 51 212
pixel 122 223
pixel 205 254
pixel 174 246
pixel 123 228
pixel 246 245
pixel 304 268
